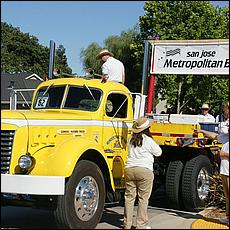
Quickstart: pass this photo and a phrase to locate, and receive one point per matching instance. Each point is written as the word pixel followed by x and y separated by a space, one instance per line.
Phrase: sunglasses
pixel 204 109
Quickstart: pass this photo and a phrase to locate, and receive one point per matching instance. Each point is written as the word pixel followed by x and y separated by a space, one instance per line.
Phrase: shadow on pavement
pixel 112 217
pixel 26 218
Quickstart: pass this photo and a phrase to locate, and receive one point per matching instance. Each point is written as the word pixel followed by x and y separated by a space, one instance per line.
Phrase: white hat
pixel 205 106
pixel 141 124
pixel 104 52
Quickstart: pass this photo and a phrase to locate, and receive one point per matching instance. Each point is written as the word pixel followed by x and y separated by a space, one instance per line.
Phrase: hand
pixel 223 154
pixel 104 79
pixel 197 131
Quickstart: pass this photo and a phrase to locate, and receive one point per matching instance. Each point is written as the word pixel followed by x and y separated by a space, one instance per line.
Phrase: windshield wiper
pixel 90 92
pixel 47 89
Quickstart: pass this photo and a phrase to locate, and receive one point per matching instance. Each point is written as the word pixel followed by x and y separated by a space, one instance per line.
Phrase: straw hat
pixel 141 124
pixel 104 52
pixel 205 106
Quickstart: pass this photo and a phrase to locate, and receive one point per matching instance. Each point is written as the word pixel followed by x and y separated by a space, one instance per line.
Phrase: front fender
pixel 61 159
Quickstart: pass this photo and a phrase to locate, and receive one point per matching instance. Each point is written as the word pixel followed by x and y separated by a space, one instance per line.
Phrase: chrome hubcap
pixel 86 198
pixel 203 184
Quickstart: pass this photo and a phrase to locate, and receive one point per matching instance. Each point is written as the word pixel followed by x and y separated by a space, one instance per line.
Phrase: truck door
pixel 116 131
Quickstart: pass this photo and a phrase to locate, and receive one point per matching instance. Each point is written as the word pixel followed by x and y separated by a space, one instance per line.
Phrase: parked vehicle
pixel 68 152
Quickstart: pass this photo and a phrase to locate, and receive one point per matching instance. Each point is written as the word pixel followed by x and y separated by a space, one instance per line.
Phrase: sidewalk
pixel 162 218
pixel 159 218
pixel 171 219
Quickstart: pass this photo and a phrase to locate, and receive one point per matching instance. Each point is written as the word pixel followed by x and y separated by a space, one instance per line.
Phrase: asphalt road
pixel 159 217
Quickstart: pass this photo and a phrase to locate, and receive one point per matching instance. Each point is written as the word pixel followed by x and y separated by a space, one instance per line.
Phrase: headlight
pixel 25 162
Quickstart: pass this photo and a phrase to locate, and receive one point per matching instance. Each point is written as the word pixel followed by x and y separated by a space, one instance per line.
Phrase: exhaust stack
pixel 51 60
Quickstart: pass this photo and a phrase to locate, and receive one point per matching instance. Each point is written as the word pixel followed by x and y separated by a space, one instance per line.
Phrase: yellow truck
pixel 68 152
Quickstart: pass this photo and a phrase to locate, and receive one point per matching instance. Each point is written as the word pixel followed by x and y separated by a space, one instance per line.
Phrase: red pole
pixel 150 93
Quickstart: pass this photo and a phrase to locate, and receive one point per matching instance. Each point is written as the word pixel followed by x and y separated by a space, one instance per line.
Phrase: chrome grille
pixel 7 137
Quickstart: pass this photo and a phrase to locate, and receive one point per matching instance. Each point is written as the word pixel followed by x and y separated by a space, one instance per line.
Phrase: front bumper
pixel 34 185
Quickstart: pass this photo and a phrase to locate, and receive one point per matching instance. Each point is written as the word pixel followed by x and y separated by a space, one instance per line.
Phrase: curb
pixel 208 223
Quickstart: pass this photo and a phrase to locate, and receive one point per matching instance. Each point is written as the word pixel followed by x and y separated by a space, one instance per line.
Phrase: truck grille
pixel 7 137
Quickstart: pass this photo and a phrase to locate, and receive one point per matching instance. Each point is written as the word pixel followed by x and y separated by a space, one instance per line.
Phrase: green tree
pixel 61 60
pixel 186 20
pixel 21 52
pixel 88 56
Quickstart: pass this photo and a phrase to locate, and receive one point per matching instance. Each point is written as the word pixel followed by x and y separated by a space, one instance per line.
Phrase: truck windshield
pixel 79 98
pixel 83 98
pixel 49 97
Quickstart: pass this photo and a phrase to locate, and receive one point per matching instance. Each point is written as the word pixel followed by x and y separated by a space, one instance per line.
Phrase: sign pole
pixel 151 93
pixel 151 90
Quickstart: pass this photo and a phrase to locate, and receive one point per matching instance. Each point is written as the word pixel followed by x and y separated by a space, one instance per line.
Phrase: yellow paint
pixel 208 224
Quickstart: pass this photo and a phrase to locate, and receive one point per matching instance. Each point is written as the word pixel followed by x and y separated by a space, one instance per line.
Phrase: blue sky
pixel 74 24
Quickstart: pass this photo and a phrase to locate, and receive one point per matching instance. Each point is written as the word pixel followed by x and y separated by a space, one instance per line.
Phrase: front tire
pixel 195 183
pixel 83 203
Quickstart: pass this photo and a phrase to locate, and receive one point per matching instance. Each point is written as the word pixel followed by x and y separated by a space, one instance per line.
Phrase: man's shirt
pixel 114 69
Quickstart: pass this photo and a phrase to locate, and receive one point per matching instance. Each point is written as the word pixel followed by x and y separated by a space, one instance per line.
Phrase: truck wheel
pixel 83 203
pixel 172 184
pixel 195 183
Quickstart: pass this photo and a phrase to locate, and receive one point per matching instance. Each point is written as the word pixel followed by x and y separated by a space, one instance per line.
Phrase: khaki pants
pixel 225 181
pixel 139 181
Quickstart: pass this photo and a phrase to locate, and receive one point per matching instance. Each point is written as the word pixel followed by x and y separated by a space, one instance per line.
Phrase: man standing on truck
pixel 112 69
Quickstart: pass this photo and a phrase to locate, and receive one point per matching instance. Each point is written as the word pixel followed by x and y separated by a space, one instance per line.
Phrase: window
pixel 49 97
pixel 116 105
pixel 83 98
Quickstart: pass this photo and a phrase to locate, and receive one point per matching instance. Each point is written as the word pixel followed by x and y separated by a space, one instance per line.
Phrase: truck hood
pixel 28 117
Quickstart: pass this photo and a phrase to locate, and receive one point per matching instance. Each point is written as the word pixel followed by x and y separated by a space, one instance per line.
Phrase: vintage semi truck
pixel 68 152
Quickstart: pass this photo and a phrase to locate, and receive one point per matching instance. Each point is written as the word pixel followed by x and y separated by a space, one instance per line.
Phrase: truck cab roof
pixel 94 83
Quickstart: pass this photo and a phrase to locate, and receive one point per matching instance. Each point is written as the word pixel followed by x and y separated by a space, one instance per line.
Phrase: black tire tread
pixel 190 198
pixel 173 178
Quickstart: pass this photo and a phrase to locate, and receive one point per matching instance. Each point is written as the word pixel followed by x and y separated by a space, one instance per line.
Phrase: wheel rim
pixel 203 184
pixel 86 198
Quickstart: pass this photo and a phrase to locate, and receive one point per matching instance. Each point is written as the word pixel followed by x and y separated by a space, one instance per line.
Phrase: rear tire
pixel 83 203
pixel 195 183
pixel 173 184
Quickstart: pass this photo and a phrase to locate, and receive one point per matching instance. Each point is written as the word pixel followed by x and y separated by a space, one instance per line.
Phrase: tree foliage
pixel 187 20
pixel 21 52
pixel 61 60
pixel 88 57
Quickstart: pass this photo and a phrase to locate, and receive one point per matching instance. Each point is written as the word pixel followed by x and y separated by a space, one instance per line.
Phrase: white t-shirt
pixel 223 125
pixel 143 156
pixel 224 164
pixel 209 118
pixel 114 69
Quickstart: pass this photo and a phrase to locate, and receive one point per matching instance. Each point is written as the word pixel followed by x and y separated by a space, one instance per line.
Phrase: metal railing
pixel 13 97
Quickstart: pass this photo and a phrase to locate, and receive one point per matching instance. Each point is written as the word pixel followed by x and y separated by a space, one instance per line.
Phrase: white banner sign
pixel 193 59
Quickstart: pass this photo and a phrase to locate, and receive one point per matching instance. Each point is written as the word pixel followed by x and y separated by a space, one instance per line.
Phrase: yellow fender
pixel 61 160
